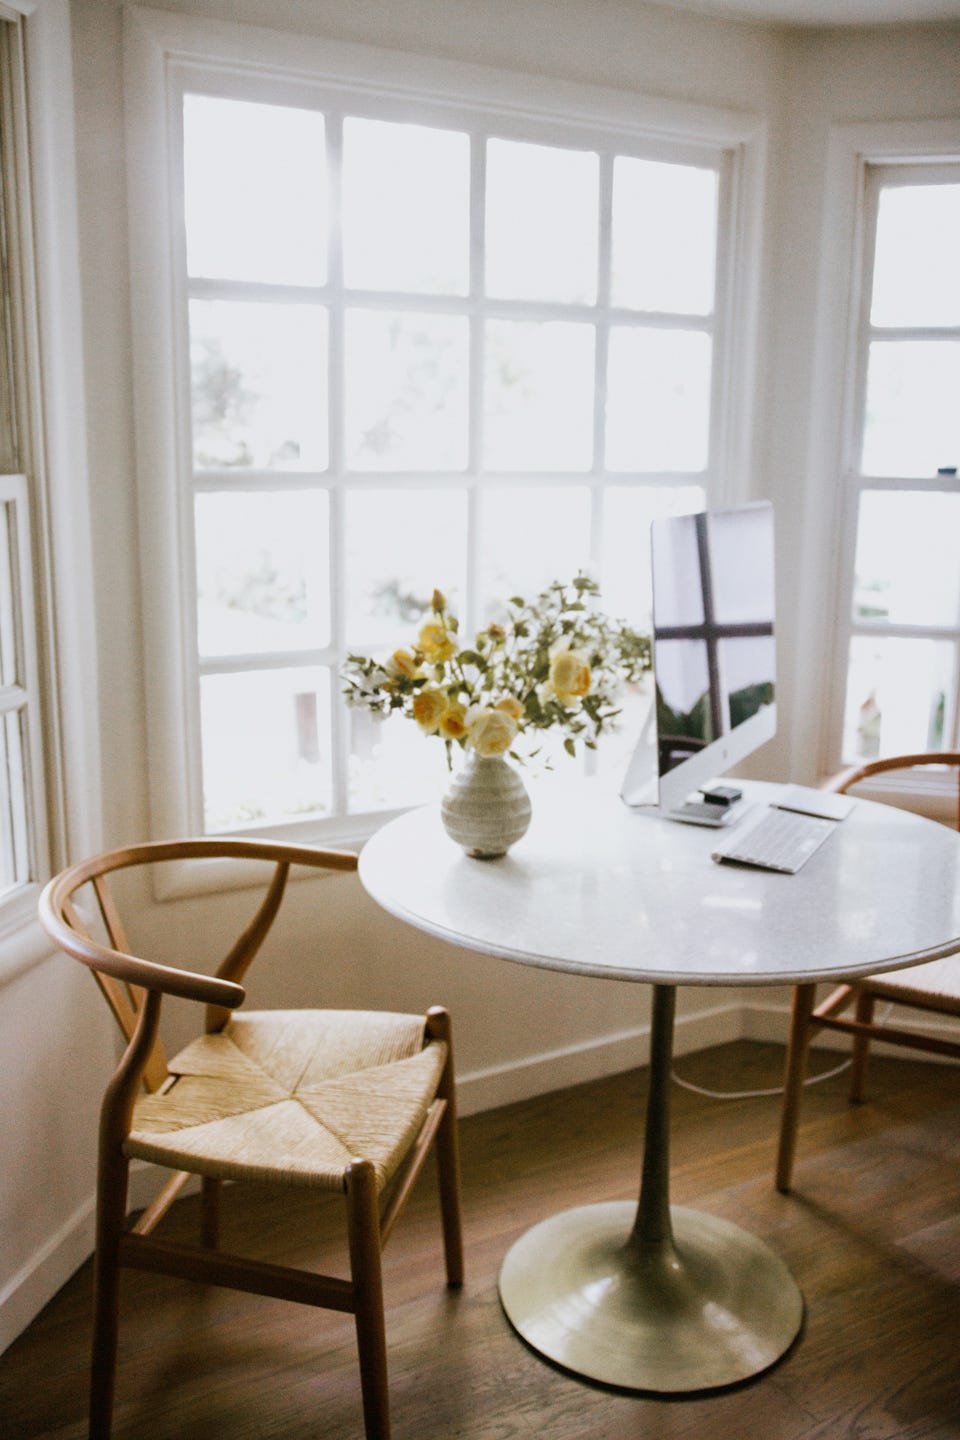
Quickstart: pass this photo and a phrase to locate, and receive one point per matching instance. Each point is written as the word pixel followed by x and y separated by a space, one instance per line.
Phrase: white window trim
pixel 18 906
pixel 22 697
pixel 825 549
pixel 159 49
pixel 51 364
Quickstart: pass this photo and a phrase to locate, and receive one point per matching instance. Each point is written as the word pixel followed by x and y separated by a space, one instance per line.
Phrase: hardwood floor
pixel 872 1233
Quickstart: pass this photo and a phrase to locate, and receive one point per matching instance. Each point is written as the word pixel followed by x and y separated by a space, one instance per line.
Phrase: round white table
pixel 653 1297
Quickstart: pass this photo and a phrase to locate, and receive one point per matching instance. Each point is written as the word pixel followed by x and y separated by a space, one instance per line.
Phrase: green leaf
pixel 570 747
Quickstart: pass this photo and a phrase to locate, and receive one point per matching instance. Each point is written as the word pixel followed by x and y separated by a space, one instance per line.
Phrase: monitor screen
pixel 714 656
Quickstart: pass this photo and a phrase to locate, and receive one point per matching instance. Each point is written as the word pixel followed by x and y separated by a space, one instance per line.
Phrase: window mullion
pixel 476 439
pixel 336 391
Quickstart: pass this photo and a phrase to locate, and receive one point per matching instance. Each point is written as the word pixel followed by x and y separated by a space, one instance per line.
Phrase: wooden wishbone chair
pixel 933 988
pixel 345 1101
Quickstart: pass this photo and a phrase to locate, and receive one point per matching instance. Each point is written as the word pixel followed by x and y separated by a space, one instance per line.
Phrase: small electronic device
pixel 722 795
pixel 815 802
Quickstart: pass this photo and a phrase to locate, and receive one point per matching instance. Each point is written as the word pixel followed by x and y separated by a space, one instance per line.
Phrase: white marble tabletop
pixel 598 889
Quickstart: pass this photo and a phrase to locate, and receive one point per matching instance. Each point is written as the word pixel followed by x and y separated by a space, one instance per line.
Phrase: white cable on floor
pixel 777 1089
pixel 757 1094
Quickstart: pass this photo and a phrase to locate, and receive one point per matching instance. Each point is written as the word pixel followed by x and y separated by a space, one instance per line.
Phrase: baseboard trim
pixel 36 1283
pixel 591 1060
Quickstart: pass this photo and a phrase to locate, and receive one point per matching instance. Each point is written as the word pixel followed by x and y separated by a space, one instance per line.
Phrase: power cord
pixel 764 1094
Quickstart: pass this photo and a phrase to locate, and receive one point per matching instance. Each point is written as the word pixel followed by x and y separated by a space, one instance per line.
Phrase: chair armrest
pixel 207 989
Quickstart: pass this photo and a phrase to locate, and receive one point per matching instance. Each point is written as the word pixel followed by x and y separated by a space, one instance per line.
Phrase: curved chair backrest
pixel 125 978
pixel 842 781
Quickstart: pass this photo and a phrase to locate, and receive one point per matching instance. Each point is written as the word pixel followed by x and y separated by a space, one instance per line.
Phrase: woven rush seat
pixel 934 986
pixel 293 1097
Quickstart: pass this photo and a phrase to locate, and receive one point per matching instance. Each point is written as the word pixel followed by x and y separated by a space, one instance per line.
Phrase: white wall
pixel 518 1030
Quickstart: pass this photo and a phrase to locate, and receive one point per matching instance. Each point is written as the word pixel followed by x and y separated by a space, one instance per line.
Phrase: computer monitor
pixel 714 657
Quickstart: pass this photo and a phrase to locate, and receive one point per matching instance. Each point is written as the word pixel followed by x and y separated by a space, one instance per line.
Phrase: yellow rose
pixel 429 707
pixel 510 706
pixel 491 732
pixel 569 674
pixel 435 642
pixel 453 722
pixel 403 665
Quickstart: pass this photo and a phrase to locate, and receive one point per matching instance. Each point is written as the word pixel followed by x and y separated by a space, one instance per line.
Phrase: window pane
pixel 898 697
pixel 912 424
pixel 406 207
pixel 8 614
pixel 542 221
pixel 916 278
pixel 528 539
pixel 266 747
pixel 627 515
pixel 255 191
pixel 259 376
pixel 539 395
pixel 907 568
pixel 262 572
pixel 14 854
pixel 393 764
pixel 664 236
pixel 658 399
pixel 400 546
pixel 406 383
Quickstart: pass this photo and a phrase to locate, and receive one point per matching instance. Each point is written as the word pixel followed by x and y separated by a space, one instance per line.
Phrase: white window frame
pixel 20 494
pixel 833 482
pixel 163 53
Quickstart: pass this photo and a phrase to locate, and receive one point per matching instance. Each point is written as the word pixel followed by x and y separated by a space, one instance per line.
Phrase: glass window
pixel 903 631
pixel 411 367
pixel 664 236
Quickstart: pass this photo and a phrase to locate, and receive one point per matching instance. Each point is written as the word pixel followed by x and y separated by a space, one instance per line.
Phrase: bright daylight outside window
pixel 22 828
pixel 422 355
pixel 904 650
pixel 17 695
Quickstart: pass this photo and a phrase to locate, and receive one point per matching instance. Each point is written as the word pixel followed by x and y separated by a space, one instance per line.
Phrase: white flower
pixel 490 732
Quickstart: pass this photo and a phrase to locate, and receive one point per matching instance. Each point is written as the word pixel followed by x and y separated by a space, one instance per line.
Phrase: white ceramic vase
pixel 487 808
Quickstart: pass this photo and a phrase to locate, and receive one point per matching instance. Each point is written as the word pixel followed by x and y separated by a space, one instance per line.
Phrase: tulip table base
pixel 650 1297
pixel 714 1308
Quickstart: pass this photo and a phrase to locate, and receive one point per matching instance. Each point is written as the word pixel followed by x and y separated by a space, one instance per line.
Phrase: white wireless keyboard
pixel 778 840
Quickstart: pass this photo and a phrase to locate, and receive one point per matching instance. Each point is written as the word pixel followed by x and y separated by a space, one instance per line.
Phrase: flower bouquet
pixel 556 663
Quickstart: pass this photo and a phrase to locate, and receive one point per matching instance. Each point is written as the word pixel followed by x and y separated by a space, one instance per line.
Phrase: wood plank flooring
pixel 872 1233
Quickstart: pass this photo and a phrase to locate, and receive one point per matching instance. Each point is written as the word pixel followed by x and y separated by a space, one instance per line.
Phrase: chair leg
pixel 861 1047
pixel 111 1218
pixel 210 1212
pixel 448 1154
pixel 363 1227
pixel 797 1048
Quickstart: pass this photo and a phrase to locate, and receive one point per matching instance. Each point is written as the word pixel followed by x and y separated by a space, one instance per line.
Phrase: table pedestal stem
pixel 653 1229
pixel 650 1297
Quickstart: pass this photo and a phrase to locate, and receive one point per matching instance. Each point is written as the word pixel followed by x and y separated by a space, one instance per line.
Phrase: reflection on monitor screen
pixel 713 649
